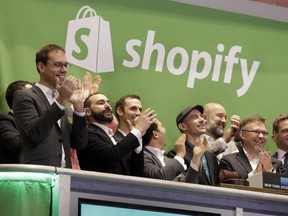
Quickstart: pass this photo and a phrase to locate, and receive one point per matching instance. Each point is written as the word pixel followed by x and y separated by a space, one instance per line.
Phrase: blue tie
pixel 205 166
pixel 286 163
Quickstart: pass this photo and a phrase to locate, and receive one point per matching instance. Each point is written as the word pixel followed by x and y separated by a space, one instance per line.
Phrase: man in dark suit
pixel 251 158
pixel 47 126
pixel 159 166
pixel 191 122
pixel 104 153
pixel 279 135
pixel 10 143
pixel 127 108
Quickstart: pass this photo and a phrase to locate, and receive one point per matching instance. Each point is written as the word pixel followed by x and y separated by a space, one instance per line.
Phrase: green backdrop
pixel 157 47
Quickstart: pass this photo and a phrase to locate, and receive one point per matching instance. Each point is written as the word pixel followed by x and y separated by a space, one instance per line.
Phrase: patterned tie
pixel 205 166
pixel 286 163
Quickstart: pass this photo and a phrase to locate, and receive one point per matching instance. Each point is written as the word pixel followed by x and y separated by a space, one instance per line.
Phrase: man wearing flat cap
pixel 190 121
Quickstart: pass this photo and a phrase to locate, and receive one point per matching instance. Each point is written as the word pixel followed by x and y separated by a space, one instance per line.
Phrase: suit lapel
pixel 153 157
pixel 101 133
pixel 41 95
pixel 244 161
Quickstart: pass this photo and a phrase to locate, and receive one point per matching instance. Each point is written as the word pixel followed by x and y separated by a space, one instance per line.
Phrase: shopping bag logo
pixel 88 42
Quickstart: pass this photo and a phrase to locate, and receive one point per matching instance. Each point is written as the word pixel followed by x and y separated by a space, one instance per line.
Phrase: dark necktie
pixel 286 163
pixel 205 166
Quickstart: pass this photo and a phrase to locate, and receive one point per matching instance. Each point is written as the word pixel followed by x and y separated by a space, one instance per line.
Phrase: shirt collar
pixel 107 130
pixel 47 91
pixel 122 132
pixel 157 152
pixel 247 155
pixel 281 154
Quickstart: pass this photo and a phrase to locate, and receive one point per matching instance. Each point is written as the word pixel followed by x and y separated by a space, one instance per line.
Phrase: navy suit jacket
pixel 10 143
pixel 211 162
pixel 239 163
pixel 42 138
pixel 103 156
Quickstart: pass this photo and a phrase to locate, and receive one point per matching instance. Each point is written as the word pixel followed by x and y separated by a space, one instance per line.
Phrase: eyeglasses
pixel 59 65
pixel 258 132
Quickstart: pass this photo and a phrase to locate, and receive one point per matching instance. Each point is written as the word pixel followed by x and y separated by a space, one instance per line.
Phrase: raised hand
pixel 265 159
pixel 180 146
pixel 78 96
pixel 198 151
pixel 66 89
pixel 234 127
pixel 96 84
pixel 144 120
pixel 87 84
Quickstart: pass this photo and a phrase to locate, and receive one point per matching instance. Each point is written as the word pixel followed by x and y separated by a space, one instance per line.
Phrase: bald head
pixel 216 119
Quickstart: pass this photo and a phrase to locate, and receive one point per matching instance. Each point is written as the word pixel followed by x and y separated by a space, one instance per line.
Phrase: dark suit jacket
pixel 10 143
pixel 239 162
pixel 172 170
pixel 211 161
pixel 42 138
pixel 118 136
pixel 103 156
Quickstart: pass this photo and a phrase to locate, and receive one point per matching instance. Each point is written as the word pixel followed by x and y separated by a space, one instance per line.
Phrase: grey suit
pixel 42 138
pixel 239 162
pixel 212 163
pixel 172 170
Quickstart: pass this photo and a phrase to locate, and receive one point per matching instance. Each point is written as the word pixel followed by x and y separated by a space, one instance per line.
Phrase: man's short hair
pixel 12 88
pixel 252 118
pixel 149 133
pixel 43 54
pixel 277 121
pixel 121 103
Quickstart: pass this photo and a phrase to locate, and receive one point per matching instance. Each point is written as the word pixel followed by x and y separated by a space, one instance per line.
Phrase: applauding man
pixel 47 126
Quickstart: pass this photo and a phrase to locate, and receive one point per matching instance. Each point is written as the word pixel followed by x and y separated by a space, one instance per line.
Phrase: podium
pixel 269 180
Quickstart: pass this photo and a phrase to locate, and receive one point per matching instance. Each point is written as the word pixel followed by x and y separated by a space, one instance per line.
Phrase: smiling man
pixel 190 121
pixel 104 153
pixel 219 140
pixel 41 114
pixel 127 108
pixel 251 158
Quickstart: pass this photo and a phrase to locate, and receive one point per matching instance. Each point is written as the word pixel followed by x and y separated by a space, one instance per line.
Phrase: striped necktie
pixel 286 163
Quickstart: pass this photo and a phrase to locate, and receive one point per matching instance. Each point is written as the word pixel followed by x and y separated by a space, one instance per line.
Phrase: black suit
pixel 42 137
pixel 118 136
pixel 211 162
pixel 103 156
pixel 10 143
pixel 239 163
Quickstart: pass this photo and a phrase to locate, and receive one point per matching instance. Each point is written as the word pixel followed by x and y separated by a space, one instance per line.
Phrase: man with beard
pixel 251 158
pixel 219 141
pixel 127 108
pixel 103 153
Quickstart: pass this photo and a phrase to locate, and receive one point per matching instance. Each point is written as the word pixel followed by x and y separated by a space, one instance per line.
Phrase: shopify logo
pixel 88 42
pixel 201 62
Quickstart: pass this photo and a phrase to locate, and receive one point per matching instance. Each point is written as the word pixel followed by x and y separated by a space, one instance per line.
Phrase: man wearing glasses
pixel 251 158
pixel 47 126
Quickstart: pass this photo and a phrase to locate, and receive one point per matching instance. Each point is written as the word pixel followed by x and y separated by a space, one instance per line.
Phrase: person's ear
pixel 155 134
pixel 241 135
pixel 119 111
pixel 87 111
pixel 182 126
pixel 274 136
pixel 40 66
